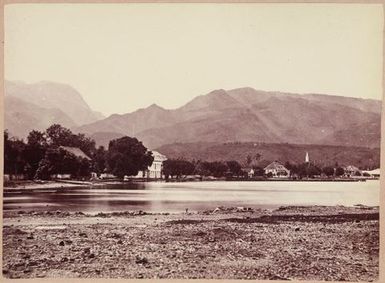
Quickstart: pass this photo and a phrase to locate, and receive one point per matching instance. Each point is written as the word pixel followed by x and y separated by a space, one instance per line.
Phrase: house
pixel 155 171
pixel 351 171
pixel 277 170
pixel 75 151
pixel 107 175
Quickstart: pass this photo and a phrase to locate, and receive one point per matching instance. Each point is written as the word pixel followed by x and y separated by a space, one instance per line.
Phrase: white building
pixel 277 170
pixel 155 171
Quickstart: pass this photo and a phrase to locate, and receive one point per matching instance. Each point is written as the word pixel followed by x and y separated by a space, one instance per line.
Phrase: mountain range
pixel 246 114
pixel 238 115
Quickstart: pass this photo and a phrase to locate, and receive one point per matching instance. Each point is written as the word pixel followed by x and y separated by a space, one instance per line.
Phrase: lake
pixel 176 197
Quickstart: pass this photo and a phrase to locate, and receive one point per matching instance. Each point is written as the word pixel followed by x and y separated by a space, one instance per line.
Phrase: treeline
pixel 177 168
pixel 44 155
pixel 310 170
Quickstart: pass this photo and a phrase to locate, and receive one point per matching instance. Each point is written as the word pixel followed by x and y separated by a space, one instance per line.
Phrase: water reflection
pixel 176 197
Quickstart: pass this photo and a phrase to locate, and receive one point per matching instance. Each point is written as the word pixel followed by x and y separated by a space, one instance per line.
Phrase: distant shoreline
pixel 31 185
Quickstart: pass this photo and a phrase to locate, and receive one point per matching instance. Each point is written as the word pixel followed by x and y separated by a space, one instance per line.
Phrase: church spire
pixel 307 157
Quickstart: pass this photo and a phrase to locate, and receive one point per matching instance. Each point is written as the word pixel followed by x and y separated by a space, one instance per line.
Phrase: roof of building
pixel 276 165
pixel 76 151
pixel 351 168
pixel 158 156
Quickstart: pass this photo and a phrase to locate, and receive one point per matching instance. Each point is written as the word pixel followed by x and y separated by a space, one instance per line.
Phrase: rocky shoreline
pixel 312 243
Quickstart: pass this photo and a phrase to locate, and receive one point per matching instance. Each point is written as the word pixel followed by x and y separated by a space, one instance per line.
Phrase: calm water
pixel 176 197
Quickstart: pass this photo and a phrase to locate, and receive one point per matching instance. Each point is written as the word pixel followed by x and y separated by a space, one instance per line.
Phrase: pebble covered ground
pixel 312 243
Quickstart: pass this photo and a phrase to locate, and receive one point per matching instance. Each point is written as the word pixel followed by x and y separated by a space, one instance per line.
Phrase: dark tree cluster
pixel 127 156
pixel 310 170
pixel 179 167
pixel 43 155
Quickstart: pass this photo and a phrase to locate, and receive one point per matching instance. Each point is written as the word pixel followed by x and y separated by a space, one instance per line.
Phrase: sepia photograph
pixel 192 141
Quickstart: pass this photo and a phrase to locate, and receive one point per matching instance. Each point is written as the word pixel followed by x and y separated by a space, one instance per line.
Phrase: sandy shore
pixel 313 243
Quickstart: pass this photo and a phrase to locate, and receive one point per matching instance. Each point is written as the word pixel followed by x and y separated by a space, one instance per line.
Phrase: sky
pixel 122 57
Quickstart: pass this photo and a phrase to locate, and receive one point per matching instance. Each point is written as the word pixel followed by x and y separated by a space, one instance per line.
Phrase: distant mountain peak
pixel 49 96
pixel 155 106
pixel 220 91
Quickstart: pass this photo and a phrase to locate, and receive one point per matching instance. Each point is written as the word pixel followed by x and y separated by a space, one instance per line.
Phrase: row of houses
pixel 277 170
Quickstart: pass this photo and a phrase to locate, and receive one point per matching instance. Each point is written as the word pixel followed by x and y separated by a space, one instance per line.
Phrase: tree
pixel 14 162
pixel 58 135
pixel 99 160
pixel 217 169
pixel 313 170
pixel 84 168
pixel 202 168
pixel 340 171
pixel 34 151
pixel 127 156
pixel 258 171
pixel 177 167
pixel 234 168
pixel 249 159
pixel 302 170
pixel 328 171
pixel 59 161
pixel 86 144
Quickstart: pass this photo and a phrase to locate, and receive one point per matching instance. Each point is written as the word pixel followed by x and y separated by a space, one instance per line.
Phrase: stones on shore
pixel 141 260
pixel 199 246
pixel 222 209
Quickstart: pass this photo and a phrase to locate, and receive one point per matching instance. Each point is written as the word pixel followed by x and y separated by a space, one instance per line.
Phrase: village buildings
pixel 277 170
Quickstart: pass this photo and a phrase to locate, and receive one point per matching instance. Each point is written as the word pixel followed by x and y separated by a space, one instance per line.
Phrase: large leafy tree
pixel 58 135
pixel 34 151
pixel 127 156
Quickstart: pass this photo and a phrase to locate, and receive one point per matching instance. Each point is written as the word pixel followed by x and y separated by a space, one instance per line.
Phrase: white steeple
pixel 307 157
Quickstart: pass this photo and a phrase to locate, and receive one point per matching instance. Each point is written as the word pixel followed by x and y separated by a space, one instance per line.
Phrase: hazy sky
pixel 121 57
